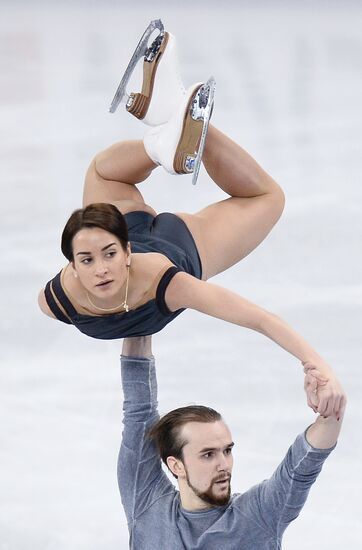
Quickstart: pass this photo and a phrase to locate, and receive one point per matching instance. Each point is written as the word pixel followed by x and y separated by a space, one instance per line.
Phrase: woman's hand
pixel 325 394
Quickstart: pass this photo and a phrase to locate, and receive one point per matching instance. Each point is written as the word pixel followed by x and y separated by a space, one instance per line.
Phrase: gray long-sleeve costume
pixel 254 520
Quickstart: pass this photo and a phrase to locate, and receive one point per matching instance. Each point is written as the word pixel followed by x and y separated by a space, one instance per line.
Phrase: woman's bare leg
pixel 113 174
pixel 225 232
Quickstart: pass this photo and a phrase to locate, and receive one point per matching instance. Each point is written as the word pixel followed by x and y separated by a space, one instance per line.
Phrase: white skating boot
pixel 162 88
pixel 178 145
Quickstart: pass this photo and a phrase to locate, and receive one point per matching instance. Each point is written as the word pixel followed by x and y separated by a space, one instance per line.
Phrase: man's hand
pixel 325 394
pixel 312 379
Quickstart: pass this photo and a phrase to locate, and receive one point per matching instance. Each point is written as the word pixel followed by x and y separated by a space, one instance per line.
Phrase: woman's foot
pixel 162 87
pixel 178 145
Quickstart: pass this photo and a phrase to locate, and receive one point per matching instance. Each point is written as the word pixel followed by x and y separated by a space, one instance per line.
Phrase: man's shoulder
pixel 241 501
pixel 166 504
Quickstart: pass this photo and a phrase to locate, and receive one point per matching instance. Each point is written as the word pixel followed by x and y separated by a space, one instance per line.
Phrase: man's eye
pixel 228 451
pixel 207 455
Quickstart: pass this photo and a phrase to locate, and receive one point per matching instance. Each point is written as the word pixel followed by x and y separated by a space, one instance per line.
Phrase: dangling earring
pixel 125 305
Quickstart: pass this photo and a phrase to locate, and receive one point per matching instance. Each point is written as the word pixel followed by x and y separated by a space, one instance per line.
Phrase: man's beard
pixel 208 496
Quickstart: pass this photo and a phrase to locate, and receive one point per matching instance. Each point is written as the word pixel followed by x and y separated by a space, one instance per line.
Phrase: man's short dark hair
pixel 166 433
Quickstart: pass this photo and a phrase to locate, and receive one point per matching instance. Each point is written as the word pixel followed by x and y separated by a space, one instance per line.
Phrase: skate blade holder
pixel 142 50
pixel 201 110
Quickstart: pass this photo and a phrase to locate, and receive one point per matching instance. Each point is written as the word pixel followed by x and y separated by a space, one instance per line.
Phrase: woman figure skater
pixel 131 271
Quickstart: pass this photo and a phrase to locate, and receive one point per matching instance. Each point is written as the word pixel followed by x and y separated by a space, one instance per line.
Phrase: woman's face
pixel 100 262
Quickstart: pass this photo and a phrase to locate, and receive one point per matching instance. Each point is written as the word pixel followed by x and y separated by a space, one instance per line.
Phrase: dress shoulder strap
pixel 61 296
pixel 53 306
pixel 161 289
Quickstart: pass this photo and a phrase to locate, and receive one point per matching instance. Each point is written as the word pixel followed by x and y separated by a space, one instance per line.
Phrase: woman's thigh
pixel 227 231
pixel 98 189
pixel 125 196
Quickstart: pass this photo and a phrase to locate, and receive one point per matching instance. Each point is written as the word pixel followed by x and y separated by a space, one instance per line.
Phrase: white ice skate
pixel 178 145
pixel 162 88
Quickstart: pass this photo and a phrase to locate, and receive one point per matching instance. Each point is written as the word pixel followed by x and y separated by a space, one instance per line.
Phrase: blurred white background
pixel 289 88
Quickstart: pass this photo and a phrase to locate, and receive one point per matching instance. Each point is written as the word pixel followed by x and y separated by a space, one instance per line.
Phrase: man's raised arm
pixel 138 347
pixel 278 501
pixel 140 476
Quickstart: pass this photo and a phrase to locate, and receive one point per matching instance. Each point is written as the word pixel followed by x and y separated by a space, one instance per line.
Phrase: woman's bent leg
pixel 113 174
pixel 225 232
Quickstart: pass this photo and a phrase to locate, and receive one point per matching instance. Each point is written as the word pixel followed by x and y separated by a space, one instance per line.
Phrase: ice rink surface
pixel 289 89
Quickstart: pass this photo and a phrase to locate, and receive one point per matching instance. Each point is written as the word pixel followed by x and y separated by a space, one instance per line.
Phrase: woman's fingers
pixel 331 397
pixel 324 395
pixel 326 406
pixel 311 386
pixel 339 410
pixel 337 407
pixel 313 371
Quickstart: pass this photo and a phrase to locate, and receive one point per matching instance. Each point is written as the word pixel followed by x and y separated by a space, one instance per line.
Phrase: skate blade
pixel 211 83
pixel 139 52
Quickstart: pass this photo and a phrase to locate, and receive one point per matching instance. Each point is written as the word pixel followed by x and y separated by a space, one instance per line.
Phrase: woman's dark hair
pixel 102 215
pixel 166 433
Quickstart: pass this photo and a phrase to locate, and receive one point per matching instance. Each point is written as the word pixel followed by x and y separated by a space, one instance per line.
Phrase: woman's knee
pixel 278 200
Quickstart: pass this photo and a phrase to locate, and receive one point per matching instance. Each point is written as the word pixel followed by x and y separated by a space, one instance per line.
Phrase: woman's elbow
pixel 265 320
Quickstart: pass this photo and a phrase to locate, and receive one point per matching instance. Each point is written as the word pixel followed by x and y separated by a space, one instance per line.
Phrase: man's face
pixel 208 461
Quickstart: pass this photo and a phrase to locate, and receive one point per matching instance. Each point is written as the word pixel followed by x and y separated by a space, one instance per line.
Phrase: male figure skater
pixel 196 445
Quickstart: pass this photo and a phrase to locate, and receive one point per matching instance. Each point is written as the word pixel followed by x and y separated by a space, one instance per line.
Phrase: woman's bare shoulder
pixel 148 269
pixel 150 263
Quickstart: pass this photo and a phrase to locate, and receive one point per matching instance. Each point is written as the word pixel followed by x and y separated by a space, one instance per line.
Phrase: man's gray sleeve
pixel 278 501
pixel 141 479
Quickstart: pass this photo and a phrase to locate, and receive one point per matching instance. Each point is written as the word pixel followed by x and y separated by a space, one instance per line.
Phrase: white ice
pixel 289 89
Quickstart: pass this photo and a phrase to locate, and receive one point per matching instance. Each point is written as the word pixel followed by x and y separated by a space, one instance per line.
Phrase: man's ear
pixel 176 466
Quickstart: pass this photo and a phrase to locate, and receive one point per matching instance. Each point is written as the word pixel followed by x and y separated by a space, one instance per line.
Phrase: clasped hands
pixel 325 394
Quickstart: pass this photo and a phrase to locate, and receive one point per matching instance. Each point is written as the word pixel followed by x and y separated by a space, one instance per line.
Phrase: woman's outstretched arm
pixel 187 291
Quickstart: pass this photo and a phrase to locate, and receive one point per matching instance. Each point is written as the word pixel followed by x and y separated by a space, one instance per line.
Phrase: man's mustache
pixel 222 477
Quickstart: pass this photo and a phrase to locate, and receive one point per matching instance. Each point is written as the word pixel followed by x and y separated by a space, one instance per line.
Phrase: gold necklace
pixel 108 309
